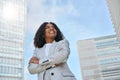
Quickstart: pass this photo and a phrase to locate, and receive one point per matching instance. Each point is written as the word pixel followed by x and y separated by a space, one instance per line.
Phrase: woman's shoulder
pixel 63 41
pixel 37 49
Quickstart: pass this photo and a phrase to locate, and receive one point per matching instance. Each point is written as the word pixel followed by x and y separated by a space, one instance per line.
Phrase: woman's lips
pixel 51 32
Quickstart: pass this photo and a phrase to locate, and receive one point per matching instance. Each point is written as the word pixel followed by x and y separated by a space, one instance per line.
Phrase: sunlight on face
pixel 10 12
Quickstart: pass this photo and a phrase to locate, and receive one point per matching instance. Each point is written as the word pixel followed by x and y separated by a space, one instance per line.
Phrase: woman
pixel 50 54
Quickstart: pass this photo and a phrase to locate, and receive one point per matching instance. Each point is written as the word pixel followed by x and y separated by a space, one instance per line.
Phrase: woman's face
pixel 50 31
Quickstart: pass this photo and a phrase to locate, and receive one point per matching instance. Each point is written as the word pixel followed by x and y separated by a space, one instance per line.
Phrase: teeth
pixel 51 32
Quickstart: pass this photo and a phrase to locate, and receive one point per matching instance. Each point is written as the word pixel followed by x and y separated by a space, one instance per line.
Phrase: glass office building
pixel 114 9
pixel 12 39
pixel 100 58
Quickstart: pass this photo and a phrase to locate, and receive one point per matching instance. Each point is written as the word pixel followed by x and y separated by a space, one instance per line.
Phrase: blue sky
pixel 77 19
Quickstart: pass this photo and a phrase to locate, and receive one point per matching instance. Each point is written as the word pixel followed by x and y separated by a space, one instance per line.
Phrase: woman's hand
pixel 34 60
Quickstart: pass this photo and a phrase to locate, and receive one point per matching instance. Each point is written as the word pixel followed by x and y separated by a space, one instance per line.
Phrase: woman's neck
pixel 49 40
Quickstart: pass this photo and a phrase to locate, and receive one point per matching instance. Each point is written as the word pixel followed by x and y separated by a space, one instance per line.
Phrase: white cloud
pixel 39 12
pixel 72 10
pixel 76 30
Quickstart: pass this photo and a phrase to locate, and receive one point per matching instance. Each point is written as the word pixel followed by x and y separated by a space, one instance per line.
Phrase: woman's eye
pixel 46 27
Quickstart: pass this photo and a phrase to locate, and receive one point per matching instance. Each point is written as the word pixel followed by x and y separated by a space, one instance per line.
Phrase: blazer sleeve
pixel 36 68
pixel 60 56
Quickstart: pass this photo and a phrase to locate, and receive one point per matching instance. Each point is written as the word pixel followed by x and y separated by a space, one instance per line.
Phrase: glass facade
pixel 108 53
pixel 114 10
pixel 100 58
pixel 88 60
pixel 12 39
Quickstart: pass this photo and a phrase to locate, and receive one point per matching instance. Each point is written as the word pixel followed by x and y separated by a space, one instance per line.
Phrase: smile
pixel 52 32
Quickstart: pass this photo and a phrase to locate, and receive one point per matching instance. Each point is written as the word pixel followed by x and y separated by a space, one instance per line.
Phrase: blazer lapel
pixel 43 52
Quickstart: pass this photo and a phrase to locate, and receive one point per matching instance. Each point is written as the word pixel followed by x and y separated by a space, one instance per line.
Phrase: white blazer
pixel 59 52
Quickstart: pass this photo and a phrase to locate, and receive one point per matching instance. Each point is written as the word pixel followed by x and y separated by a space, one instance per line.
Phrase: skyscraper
pixel 12 39
pixel 100 58
pixel 114 9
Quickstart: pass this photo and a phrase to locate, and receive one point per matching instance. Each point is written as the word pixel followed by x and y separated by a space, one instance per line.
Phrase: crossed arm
pixel 36 65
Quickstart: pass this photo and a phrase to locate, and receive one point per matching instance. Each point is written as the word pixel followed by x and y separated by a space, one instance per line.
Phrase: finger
pixel 33 58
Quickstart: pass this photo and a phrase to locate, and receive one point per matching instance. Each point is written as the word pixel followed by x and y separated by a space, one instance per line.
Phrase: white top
pixel 47 48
